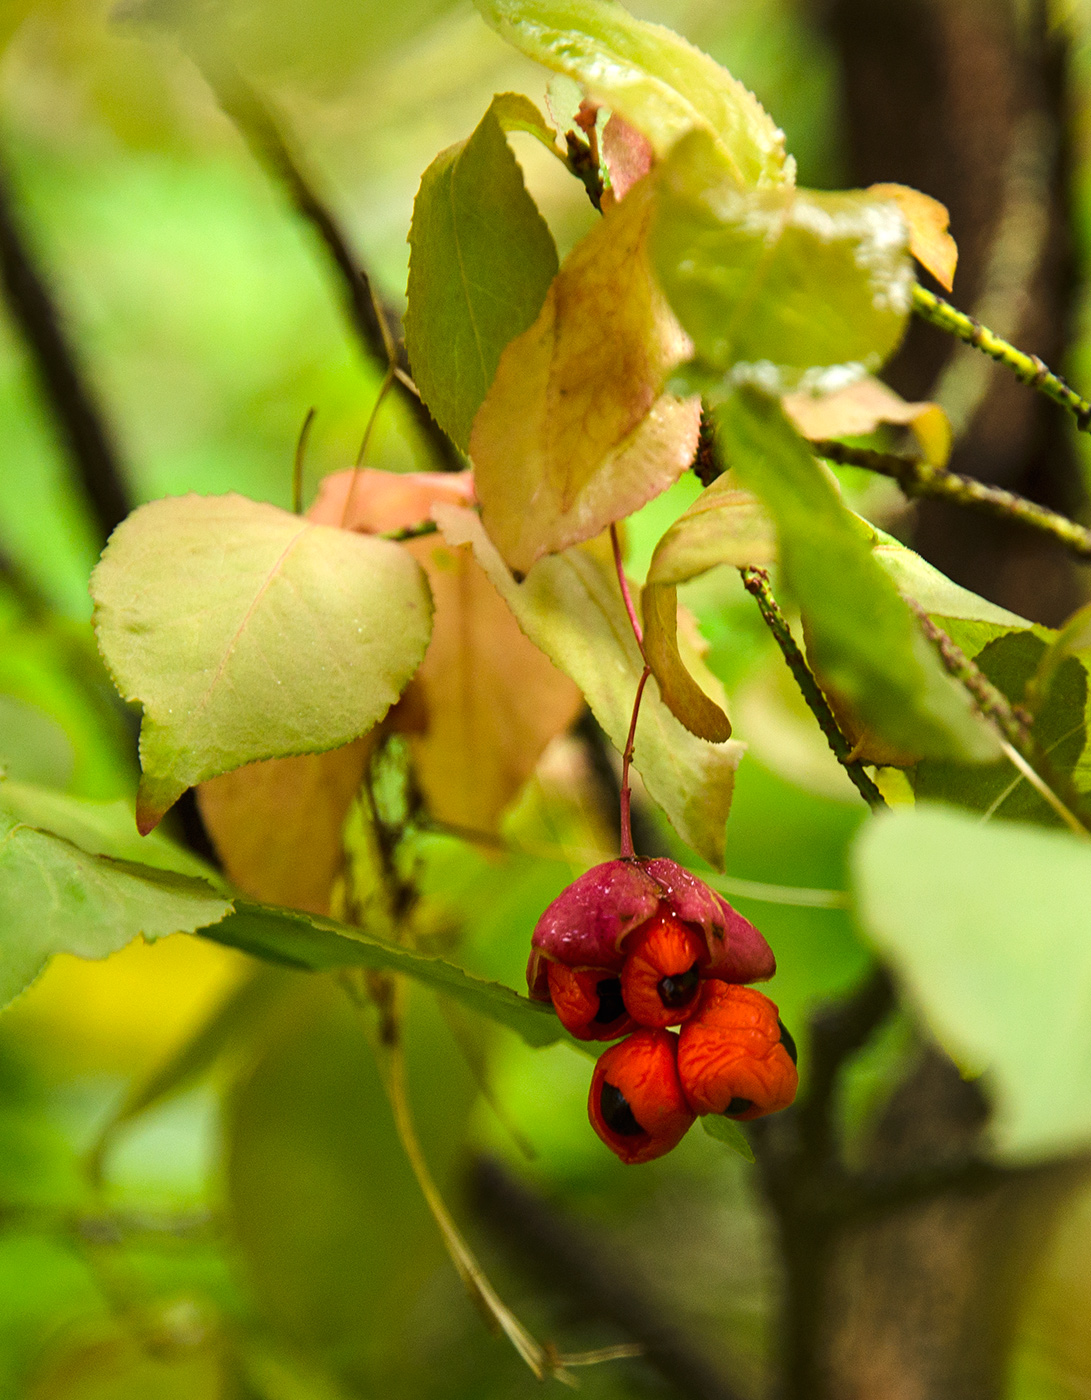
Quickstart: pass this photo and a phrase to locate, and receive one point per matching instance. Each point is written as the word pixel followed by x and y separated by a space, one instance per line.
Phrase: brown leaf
pixel 574 432
pixel 277 824
pixel 491 700
pixel 680 692
pixel 929 240
pixel 861 408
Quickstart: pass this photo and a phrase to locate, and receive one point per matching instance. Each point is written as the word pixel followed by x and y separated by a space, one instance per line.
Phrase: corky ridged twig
pixel 918 478
pixel 1027 368
pixel 756 583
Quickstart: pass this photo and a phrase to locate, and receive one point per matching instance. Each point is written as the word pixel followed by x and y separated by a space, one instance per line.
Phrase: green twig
pixel 918 478
pixel 410 532
pixel 756 583
pixel 1027 368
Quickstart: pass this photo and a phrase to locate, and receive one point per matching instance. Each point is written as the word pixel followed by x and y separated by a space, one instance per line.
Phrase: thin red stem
pixel 627 756
pixel 626 763
pixel 630 607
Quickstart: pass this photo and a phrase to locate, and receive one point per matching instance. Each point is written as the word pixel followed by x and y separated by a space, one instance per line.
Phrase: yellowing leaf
pixel 570 606
pixel 658 82
pixel 492 701
pixel 247 633
pixel 277 825
pixel 574 432
pixel 680 692
pixel 860 408
pixel 929 240
pixel 723 526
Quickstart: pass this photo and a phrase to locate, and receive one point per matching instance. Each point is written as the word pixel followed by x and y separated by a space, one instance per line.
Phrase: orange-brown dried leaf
pixel 864 406
pixel 491 700
pixel 929 239
pixel 575 431
pixel 277 825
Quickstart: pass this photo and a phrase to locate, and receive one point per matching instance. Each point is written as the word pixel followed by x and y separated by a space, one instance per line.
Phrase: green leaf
pixel 915 578
pixel 987 929
pixel 570 606
pixel 247 633
pixel 727 1131
pixel 57 898
pixel 723 526
pixel 785 287
pixel 1011 662
pixel 861 636
pixel 1072 639
pixel 307 942
pixel 648 75
pixel 481 262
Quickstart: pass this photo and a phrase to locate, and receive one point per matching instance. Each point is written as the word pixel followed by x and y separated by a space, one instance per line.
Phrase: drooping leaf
pixel 930 240
pixel 489 700
pixel 863 639
pixel 277 825
pixel 313 944
pixel 1011 662
pixel 577 401
pixel 986 927
pixel 680 693
pixel 247 633
pixel 789 288
pixel 570 606
pixel 723 526
pixel 481 262
pixel 658 82
pixel 57 898
pixel 867 404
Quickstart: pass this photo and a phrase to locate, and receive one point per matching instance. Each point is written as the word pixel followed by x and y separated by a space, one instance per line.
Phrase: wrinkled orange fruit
pixel 636 1104
pixel 735 1056
pixel 661 978
pixel 588 1002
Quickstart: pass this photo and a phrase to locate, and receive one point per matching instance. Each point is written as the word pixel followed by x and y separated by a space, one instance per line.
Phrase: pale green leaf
pixel 57 898
pixel 727 1131
pixel 862 638
pixel 787 288
pixel 481 262
pixel 248 633
pixel 650 76
pixel 987 928
pixel 313 944
pixel 570 606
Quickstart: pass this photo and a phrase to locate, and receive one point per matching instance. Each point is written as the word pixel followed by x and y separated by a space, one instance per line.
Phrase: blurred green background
pixel 261 1235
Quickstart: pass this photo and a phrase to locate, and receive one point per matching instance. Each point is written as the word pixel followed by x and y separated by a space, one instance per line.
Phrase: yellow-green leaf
pixel 248 633
pixel 658 82
pixel 679 690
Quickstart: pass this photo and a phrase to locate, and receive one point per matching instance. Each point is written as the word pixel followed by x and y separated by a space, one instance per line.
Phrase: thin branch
pixel 365 313
pixel 1029 369
pixel 573 1256
pixel 64 386
pixel 756 583
pixel 1013 726
pixel 918 478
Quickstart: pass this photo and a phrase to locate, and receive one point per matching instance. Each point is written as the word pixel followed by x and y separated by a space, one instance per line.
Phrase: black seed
pixel 679 991
pixel 616 1113
pixel 737 1106
pixel 611 1006
pixel 787 1041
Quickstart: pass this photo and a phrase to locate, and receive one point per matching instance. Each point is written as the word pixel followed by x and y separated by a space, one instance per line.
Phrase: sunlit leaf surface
pixel 248 633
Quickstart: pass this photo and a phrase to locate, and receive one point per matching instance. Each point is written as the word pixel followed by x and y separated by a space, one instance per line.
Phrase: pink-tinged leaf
pixel 628 156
